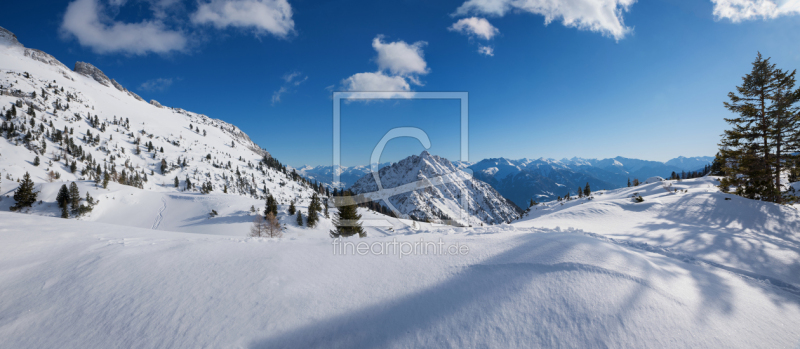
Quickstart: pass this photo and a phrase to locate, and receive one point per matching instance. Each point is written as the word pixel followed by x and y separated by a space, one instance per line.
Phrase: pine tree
pixel 299 218
pixel 629 181
pixel 36 161
pixel 177 182
pixel 313 210
pixel 63 196
pixel 313 218
pixel 346 220
pixel 272 206
pixel 587 191
pixel 25 196
pixel 753 151
pixel 292 208
pixel 106 178
pixel 74 197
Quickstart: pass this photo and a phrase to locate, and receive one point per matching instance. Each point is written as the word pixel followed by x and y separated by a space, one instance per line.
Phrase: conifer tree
pixel 292 208
pixel 63 196
pixel 272 206
pixel 299 218
pixel 346 220
pixel 25 196
pixel 313 218
pixel 177 182
pixel 587 191
pixel 74 196
pixel 36 161
pixel 754 151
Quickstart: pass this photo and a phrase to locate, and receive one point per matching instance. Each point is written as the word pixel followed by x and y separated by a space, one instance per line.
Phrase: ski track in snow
pixel 160 215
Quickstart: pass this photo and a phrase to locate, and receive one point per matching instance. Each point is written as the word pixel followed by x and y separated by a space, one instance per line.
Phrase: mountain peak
pixel 8 38
pixel 93 72
pixel 442 201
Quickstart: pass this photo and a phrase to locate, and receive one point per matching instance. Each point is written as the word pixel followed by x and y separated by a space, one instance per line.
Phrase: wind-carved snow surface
pixel 442 202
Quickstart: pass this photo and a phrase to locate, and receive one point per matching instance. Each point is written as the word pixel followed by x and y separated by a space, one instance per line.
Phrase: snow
pixel 698 222
pixel 74 284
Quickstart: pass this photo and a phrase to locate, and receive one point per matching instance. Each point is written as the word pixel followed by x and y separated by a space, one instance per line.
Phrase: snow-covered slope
pixel 85 118
pixel 439 202
pixel 73 284
pixel 690 219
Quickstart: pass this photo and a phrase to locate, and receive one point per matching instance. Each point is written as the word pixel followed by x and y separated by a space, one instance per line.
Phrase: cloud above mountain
pixel 475 26
pixel 94 23
pixel 743 10
pixel 400 65
pixel 601 16
pixel 88 22
pixel 264 16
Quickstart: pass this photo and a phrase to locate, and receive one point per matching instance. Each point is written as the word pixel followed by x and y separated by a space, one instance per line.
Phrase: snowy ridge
pixel 87 121
pixel 439 202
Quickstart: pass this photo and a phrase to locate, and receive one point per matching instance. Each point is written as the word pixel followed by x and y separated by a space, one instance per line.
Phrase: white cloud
pixel 292 79
pixel 479 27
pixel 742 10
pixel 272 16
pixel 602 16
pixel 486 50
pixel 376 82
pixel 399 66
pixel 400 58
pixel 159 84
pixel 85 21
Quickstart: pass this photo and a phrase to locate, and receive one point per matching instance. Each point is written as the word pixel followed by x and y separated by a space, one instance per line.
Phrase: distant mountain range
pixel 546 179
pixel 539 179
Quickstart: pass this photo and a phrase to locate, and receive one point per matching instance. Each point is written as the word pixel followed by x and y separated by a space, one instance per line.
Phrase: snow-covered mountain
pixel 545 179
pixel 539 179
pixel 690 164
pixel 64 125
pixel 442 201
pixel 347 175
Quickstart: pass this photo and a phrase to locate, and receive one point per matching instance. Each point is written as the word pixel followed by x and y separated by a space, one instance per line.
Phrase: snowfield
pixel 74 284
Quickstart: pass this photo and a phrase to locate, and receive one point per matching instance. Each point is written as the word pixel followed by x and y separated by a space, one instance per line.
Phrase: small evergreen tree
pixel 292 209
pixel 272 206
pixel 299 218
pixel 587 191
pixel 313 218
pixel 346 220
pixel 62 198
pixel 74 197
pixel 25 196
pixel 36 161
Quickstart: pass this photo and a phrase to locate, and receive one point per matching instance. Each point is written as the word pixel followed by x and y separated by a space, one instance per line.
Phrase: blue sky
pixel 603 78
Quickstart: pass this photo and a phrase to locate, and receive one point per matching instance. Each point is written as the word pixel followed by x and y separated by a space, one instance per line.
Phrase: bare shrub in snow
pixel 266 227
